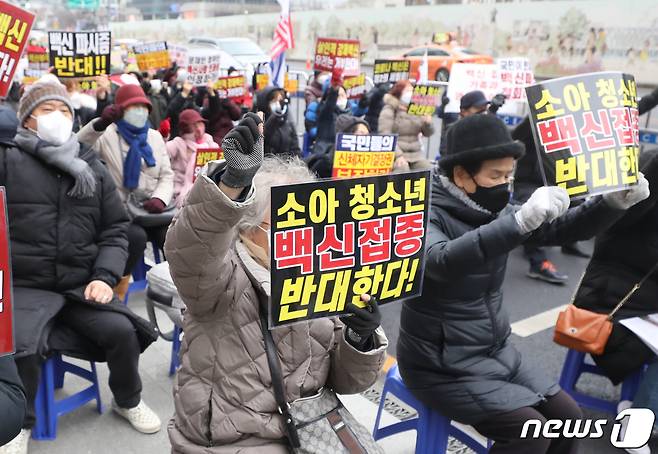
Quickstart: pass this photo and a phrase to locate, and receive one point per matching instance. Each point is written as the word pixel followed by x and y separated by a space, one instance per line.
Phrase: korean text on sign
pixel 335 240
pixel 203 156
pixel 6 314
pixel 390 71
pixel 425 98
pixel 15 26
pixel 152 55
pixel 355 86
pixel 203 66
pixel 231 87
pixel 338 53
pixel 80 54
pixel 359 155
pixel 586 131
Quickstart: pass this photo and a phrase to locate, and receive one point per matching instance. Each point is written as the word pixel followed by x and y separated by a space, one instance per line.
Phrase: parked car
pixel 441 58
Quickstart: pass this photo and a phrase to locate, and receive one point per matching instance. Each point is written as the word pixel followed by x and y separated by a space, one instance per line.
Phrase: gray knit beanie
pixel 39 92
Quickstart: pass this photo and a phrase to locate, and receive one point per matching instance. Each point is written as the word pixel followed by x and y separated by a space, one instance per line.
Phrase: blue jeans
pixel 647 394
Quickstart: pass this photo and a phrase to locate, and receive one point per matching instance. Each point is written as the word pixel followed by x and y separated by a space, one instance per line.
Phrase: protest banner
pixel 203 156
pixel 153 55
pixel 355 87
pixel 359 155
pixel 515 74
pixel 231 87
pixel 6 313
pixel 177 54
pixel 390 71
pixel 334 240
pixel 37 64
pixel 425 98
pixel 80 54
pixel 290 85
pixel 441 38
pixel 343 54
pixel 202 66
pixel 262 81
pixel 15 26
pixel 586 132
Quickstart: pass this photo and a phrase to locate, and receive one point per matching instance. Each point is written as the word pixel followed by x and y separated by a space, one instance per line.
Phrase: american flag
pixel 283 40
pixel 283 36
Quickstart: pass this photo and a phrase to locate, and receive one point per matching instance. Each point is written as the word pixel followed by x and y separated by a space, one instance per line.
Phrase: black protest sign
pixel 335 240
pixel 586 132
pixel 390 71
pixel 80 54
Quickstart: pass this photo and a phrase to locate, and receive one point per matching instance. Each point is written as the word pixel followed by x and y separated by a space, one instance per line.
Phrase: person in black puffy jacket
pixel 68 249
pixel 280 133
pixel 12 400
pixel 454 351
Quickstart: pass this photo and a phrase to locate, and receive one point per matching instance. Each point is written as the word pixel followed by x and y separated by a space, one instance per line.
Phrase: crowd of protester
pixel 116 171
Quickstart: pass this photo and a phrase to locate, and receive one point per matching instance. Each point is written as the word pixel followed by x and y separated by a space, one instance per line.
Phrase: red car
pixel 441 58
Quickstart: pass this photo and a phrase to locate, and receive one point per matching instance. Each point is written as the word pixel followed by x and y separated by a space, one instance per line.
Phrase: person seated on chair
pixel 217 247
pixel 454 351
pixel 12 400
pixel 67 229
pixel 623 255
pixel 137 159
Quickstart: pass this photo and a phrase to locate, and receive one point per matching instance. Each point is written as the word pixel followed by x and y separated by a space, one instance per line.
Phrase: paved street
pixel 84 431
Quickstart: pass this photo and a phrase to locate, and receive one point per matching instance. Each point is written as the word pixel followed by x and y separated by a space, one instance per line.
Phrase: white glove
pixel 546 204
pixel 625 199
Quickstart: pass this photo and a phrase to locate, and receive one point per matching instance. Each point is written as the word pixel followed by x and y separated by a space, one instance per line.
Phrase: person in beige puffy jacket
pixel 394 119
pixel 223 393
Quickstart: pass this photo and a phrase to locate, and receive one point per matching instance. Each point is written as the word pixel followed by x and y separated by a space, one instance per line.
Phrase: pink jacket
pixel 181 154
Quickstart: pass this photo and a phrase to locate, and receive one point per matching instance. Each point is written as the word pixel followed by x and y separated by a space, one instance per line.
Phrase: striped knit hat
pixel 39 92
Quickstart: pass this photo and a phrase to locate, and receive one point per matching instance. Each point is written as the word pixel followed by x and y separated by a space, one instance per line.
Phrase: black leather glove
pixel 243 151
pixel 361 324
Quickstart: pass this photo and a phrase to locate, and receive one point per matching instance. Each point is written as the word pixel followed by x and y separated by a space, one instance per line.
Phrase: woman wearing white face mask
pixel 68 249
pixel 394 119
pixel 137 159
pixel 280 133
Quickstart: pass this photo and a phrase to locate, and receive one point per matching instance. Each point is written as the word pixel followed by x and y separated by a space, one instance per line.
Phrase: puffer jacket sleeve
pixel 112 239
pixel 353 371
pixel 197 246
pixel 12 400
pixel 89 136
pixel 165 187
pixel 427 129
pixel 447 258
pixel 386 120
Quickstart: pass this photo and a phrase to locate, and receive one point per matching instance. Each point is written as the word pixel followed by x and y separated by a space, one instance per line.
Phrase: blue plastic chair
pixel 575 366
pixel 175 351
pixel 306 145
pixel 432 429
pixel 47 409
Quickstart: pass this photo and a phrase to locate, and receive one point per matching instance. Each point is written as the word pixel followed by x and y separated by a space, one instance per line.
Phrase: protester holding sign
pixel 454 350
pixel 182 150
pixel 220 113
pixel 218 255
pixel 394 119
pixel 137 159
pixel 280 133
pixel 64 270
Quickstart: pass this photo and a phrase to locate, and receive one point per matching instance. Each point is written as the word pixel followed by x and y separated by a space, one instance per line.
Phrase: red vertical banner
pixel 6 314
pixel 15 26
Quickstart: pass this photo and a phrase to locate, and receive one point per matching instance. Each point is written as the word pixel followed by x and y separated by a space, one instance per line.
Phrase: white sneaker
pixel 19 444
pixel 141 417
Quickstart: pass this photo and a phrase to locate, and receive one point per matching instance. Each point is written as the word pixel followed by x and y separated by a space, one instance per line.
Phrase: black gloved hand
pixel 109 115
pixel 361 325
pixel 243 151
pixel 445 100
pixel 363 101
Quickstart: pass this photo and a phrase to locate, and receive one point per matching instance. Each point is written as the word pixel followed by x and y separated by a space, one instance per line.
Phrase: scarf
pixel 138 148
pixel 64 157
pixel 190 154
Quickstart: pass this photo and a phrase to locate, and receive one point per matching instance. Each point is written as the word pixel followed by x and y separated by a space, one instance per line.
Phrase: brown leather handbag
pixel 587 331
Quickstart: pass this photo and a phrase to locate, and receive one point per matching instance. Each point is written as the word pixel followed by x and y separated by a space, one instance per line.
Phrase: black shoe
pixel 547 272
pixel 575 250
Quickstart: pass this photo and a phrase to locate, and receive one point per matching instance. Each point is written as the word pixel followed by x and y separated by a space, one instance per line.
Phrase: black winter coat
pixel 12 400
pixel 622 257
pixel 280 133
pixel 59 244
pixel 454 351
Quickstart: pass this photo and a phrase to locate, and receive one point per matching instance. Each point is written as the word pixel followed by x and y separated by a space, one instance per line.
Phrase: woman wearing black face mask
pixel 453 349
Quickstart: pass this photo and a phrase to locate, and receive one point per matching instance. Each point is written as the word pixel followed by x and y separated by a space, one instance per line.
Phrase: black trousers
pixel 505 429
pixel 111 331
pixel 536 255
pixel 137 238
